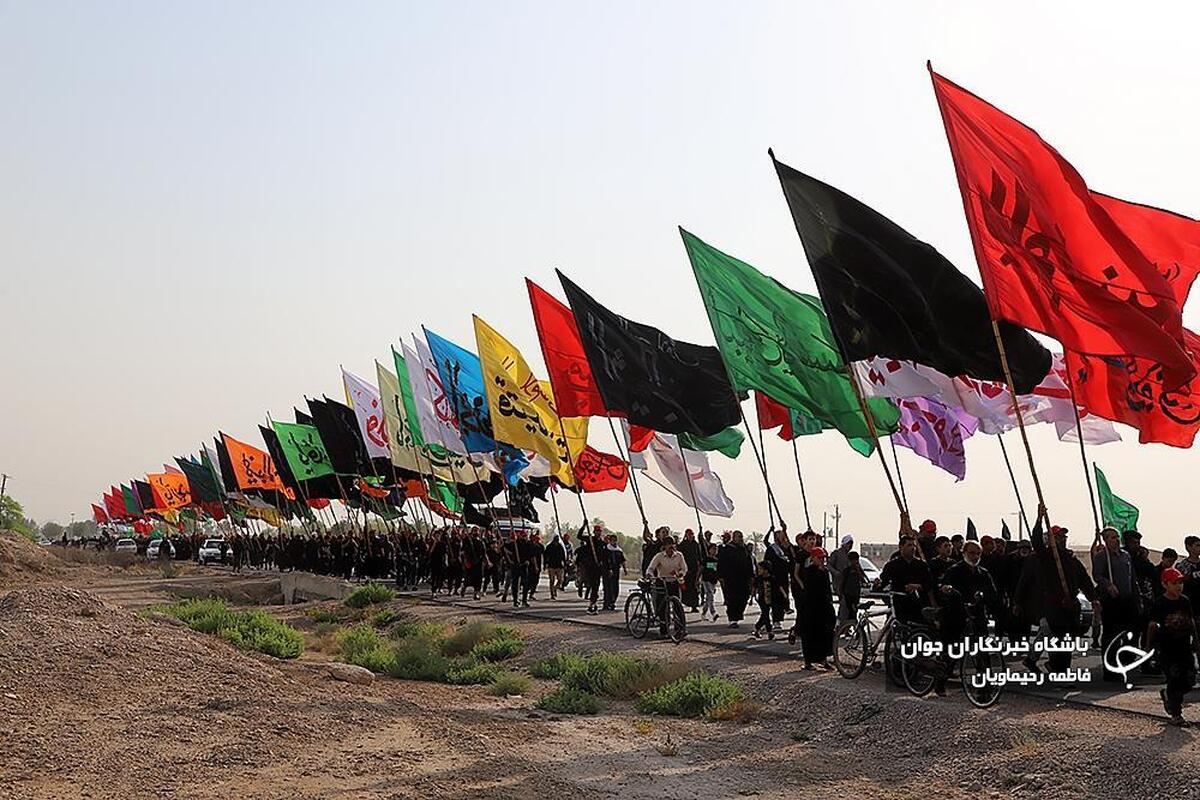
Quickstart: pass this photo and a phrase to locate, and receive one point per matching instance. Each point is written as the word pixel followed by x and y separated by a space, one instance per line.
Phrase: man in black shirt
pixel 1173 635
pixel 909 575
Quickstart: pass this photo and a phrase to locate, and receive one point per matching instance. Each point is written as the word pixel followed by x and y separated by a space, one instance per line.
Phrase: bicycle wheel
pixel 850 648
pixel 891 655
pixel 972 669
pixel 637 615
pixel 918 671
pixel 676 622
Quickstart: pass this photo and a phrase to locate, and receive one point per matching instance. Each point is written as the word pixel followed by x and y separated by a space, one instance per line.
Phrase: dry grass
pixel 740 711
pixel 106 558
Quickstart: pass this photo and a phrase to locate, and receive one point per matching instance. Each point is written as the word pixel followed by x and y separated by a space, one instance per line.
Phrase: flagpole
pixel 899 474
pixel 905 523
pixel 1012 393
pixel 637 492
pixel 763 449
pixel 800 477
pixel 1012 476
pixel 1087 475
pixel 691 488
pixel 462 437
pixel 762 468
pixel 562 428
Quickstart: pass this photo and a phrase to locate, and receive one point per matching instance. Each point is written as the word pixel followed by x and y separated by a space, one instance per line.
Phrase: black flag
pixel 889 294
pixel 649 378
pixel 338 428
pixel 1005 533
pixel 972 534
pixel 145 494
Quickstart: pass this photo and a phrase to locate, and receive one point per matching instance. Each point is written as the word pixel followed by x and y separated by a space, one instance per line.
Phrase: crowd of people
pixel 1013 588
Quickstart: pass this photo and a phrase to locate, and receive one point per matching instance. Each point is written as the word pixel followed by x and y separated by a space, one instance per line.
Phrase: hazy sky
pixel 208 207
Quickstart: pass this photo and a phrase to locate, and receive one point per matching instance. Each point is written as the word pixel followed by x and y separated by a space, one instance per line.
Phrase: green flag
pixel 443 491
pixel 303 449
pixel 201 481
pixel 410 406
pixel 1121 514
pixel 779 342
pixel 132 506
pixel 727 442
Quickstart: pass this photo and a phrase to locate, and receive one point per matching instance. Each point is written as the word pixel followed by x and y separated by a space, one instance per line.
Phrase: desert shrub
pixel 471 673
pixel 411 629
pixel 363 646
pixel 321 615
pixel 498 649
pixel 463 640
pixel 695 695
pixel 553 667
pixel 611 675
pixel 742 711
pixel 419 659
pixel 369 594
pixel 247 630
pixel 570 701
pixel 510 683
pixel 384 618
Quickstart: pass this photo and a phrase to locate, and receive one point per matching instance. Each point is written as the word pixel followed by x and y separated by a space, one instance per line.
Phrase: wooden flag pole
pixel 899 474
pixel 762 467
pixel 1012 476
pixel 1087 475
pixel 691 488
pixel 562 428
pixel 800 477
pixel 905 523
pixel 1012 392
pixel 762 448
pixel 637 492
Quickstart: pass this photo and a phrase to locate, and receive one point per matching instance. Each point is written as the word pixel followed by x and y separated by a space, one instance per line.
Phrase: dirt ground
pixel 98 702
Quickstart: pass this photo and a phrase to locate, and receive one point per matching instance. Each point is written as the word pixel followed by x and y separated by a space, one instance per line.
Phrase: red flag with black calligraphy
pixel 1052 257
pixel 601 472
pixel 575 390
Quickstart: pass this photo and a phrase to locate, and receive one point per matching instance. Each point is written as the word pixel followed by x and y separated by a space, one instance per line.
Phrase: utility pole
pixel 3 483
pixel 837 527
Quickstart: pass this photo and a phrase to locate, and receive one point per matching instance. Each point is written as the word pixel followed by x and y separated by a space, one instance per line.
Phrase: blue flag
pixel 462 378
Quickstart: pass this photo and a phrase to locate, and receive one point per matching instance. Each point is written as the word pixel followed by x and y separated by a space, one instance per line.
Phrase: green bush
pixel 612 675
pixel 508 684
pixel 247 630
pixel 570 701
pixel 464 640
pixel 694 695
pixel 384 618
pixel 369 594
pixel 324 615
pixel 500 649
pixel 471 673
pixel 419 660
pixel 555 666
pixel 411 629
pixel 363 646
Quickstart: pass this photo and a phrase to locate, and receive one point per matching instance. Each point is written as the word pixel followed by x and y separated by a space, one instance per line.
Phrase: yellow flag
pixel 522 407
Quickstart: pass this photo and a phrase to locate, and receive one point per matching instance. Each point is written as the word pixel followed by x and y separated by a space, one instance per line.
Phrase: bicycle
pixel 641 610
pixel 921 672
pixel 857 644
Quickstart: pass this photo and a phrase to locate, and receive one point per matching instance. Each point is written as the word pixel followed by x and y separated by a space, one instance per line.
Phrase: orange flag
pixel 252 467
pixel 170 491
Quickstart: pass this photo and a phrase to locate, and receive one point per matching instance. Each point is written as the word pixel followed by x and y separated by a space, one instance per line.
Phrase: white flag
pixel 670 467
pixel 433 406
pixel 368 408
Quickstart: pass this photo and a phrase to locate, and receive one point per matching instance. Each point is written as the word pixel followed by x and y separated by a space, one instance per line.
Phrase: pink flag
pixel 935 431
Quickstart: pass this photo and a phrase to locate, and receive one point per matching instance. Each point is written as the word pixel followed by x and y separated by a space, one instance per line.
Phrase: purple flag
pixel 936 432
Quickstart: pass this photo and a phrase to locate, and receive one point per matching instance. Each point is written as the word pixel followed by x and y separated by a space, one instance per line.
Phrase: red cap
pixel 818 551
pixel 928 526
pixel 1171 575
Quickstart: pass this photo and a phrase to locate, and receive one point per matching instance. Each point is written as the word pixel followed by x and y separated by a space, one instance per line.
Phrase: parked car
pixel 153 548
pixel 125 546
pixel 214 551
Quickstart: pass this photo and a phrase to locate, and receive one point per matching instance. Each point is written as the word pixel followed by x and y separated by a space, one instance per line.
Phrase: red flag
pixel 115 504
pixel 367 489
pixel 639 438
pixel 773 415
pixel 415 488
pixel 1052 258
pixel 601 472
pixel 318 503
pixel 98 513
pixel 575 392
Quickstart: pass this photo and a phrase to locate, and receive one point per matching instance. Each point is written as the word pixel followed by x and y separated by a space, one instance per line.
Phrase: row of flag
pixel 898 343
